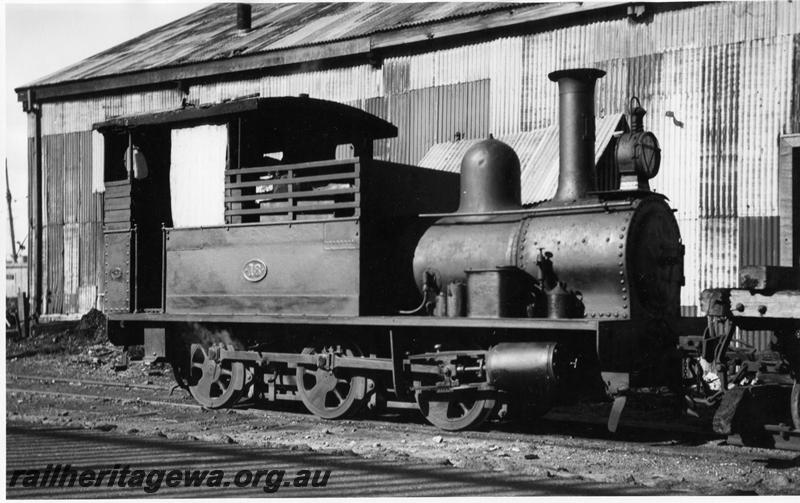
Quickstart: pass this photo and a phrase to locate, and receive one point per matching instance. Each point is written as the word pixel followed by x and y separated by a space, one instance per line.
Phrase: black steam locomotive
pixel 351 282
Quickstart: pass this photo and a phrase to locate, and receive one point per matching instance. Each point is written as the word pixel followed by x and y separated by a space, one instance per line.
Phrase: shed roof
pixel 537 151
pixel 210 35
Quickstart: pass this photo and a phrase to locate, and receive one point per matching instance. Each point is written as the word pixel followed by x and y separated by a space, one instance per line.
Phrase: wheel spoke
pixel 217 386
pixel 331 396
pixel 203 386
pixel 464 407
pixel 316 395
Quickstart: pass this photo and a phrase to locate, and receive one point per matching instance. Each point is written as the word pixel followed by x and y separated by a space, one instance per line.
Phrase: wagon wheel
pixel 331 393
pixel 212 383
pixel 795 404
pixel 456 410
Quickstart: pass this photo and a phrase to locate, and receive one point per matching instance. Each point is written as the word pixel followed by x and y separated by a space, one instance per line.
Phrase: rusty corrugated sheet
pixel 211 33
pixel 54 280
pixel 71 267
pixel 396 75
pixel 72 178
pixel 759 241
pixel 216 92
pixel 506 76
pixel 336 84
pixel 79 115
pixel 85 168
pixel 53 178
pixel 719 129
pixel 462 109
pixel 498 61
pixel 379 108
pixel 719 252
pixel 764 109
pixel 87 260
pixel 71 207
pixel 425 116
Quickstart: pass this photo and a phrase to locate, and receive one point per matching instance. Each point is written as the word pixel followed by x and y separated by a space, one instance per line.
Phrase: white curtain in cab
pixel 197 176
pixel 98 162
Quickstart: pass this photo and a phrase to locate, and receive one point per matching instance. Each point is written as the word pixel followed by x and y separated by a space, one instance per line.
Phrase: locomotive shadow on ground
pixel 779 464
pixel 625 433
pixel 230 454
pixel 537 426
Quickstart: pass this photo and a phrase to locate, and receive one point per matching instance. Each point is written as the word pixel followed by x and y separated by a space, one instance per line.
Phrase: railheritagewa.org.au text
pixel 152 481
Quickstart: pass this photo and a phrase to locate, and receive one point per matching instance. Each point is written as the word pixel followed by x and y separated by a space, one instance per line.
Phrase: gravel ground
pixel 546 449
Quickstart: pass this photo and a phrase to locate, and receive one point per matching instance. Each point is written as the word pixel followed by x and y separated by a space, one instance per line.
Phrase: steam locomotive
pixel 345 283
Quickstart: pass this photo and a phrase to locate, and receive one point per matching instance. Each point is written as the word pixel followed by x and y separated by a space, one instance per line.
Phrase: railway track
pixel 557 422
pixel 576 447
pixel 554 422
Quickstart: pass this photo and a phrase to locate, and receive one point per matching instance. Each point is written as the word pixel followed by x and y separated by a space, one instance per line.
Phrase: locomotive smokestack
pixel 576 175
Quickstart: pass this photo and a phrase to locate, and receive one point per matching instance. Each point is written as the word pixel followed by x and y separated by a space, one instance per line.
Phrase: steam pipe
pixel 576 175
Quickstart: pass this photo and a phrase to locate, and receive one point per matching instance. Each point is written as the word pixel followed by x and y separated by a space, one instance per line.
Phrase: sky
pixel 40 39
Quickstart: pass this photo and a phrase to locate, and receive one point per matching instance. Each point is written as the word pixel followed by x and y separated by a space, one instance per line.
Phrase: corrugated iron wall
pixel 720 83
pixel 73 223
pixel 72 237
pixel 434 114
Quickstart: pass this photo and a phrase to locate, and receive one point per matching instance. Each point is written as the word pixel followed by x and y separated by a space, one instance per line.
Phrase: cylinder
pixel 535 368
pixel 576 174
pixel 490 178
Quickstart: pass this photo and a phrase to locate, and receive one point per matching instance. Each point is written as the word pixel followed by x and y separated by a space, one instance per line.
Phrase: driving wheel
pixel 330 393
pixel 456 410
pixel 212 383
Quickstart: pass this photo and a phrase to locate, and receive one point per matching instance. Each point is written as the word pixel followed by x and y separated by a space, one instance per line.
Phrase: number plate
pixel 254 270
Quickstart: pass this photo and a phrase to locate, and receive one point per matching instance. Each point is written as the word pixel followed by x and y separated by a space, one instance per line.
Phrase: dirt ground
pixel 546 448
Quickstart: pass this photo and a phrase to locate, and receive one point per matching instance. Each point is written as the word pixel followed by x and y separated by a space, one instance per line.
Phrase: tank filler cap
pixel 490 178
